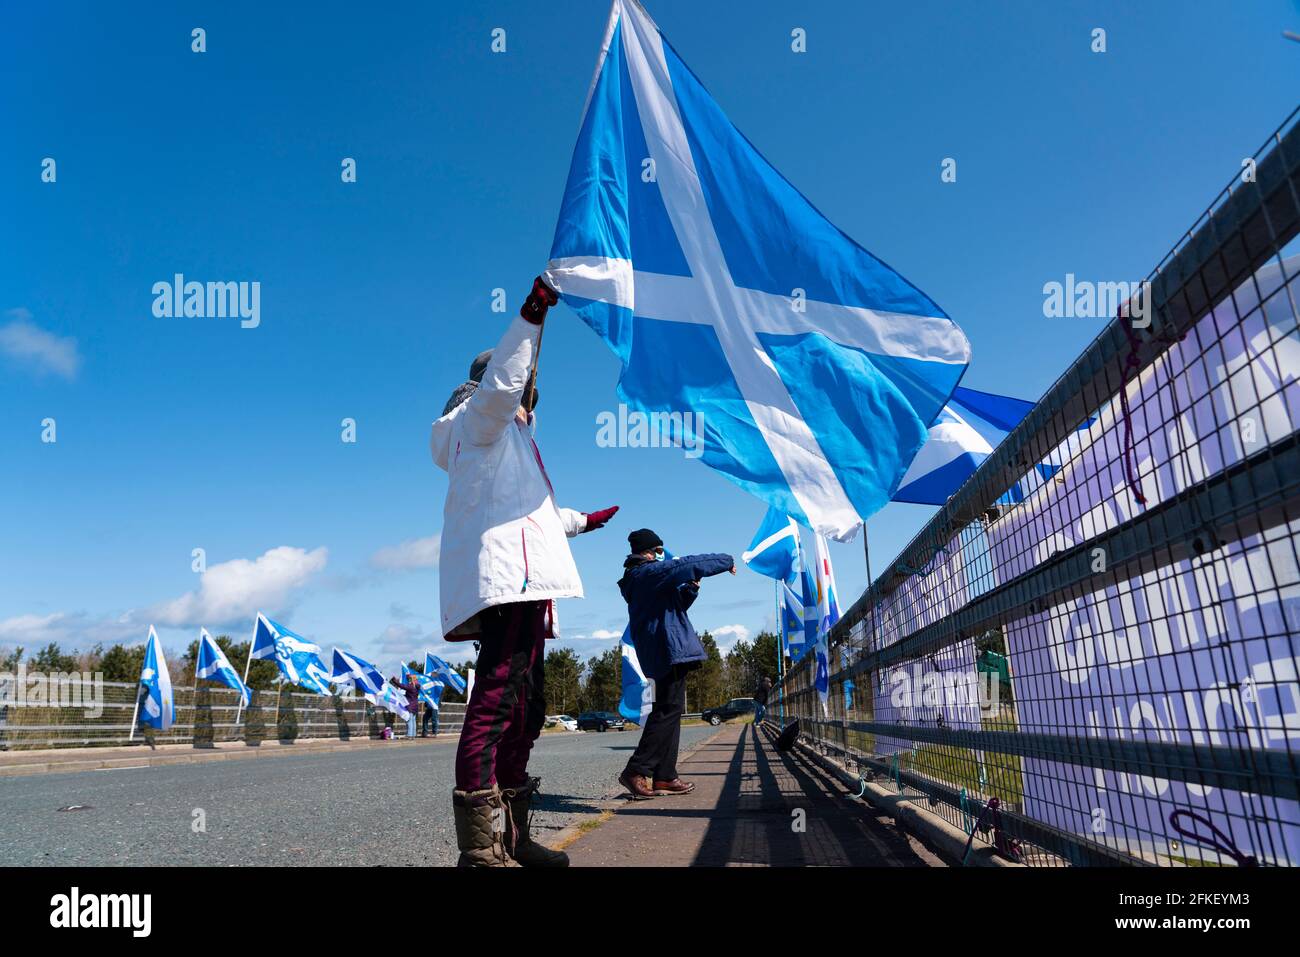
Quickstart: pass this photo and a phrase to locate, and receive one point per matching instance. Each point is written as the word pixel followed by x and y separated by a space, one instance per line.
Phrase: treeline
pixel 573 686
pixel 123 663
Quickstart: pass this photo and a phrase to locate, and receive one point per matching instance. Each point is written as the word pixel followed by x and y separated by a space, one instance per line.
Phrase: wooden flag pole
pixel 248 663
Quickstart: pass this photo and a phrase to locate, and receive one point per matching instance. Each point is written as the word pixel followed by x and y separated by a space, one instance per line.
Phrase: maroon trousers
pixel 506 710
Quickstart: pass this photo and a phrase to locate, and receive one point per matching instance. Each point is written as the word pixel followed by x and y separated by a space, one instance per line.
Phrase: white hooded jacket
pixel 503 537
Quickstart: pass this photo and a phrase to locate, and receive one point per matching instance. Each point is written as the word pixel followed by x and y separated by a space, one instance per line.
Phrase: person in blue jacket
pixel 658 592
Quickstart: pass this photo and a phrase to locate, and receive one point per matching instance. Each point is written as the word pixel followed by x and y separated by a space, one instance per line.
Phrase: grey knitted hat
pixel 466 389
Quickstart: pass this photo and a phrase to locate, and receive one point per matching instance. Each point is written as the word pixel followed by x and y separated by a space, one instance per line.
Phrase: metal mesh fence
pixel 75 713
pixel 1099 630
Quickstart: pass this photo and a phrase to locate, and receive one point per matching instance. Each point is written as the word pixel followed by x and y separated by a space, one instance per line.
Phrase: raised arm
pixel 499 395
pixel 691 568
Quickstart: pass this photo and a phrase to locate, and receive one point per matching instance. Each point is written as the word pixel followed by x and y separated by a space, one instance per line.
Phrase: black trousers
pixel 656 754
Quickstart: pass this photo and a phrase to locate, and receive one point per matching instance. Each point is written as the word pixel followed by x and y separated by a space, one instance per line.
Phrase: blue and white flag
pixel 390 699
pixel 792 621
pixel 434 666
pixel 828 613
pixel 430 688
pixel 638 690
pixel 809 369
pixel 158 709
pixel 349 670
pixel 774 552
pixel 966 432
pixel 295 656
pixel 213 665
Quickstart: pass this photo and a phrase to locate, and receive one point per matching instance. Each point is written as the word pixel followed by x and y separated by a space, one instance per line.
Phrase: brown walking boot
pixel 637 784
pixel 519 842
pixel 675 786
pixel 479 814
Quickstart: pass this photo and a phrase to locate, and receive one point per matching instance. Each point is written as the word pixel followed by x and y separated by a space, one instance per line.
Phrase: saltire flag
pixel 792 623
pixel 213 665
pixel 158 709
pixel 638 690
pixel 966 432
pixel 430 688
pixel 774 552
pixel 354 672
pixel 388 698
pixel 435 666
pixel 828 613
pixel 295 656
pixel 812 369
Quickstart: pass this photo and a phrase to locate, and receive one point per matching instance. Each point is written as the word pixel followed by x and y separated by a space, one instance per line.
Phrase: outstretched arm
pixel 499 395
pixel 691 568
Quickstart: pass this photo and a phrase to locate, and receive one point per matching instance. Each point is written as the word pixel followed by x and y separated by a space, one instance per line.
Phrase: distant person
pixel 760 699
pixel 505 559
pixel 430 717
pixel 412 690
pixel 658 591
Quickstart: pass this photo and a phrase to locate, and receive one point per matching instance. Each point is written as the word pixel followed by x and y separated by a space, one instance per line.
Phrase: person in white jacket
pixel 504 560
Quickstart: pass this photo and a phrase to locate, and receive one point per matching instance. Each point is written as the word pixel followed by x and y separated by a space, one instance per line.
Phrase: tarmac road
pixel 380 806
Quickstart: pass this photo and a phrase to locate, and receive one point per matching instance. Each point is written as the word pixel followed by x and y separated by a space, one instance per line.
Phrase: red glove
pixel 597 520
pixel 539 300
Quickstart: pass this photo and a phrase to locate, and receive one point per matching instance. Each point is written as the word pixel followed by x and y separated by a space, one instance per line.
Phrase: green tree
pixel 51 659
pixel 604 685
pixel 122 664
pixel 12 659
pixel 563 671
pixel 704 686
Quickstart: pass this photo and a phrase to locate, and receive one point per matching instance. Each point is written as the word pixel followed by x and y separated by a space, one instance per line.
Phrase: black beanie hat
pixel 644 540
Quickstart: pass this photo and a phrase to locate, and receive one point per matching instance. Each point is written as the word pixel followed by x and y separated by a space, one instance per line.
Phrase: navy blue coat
pixel 657 596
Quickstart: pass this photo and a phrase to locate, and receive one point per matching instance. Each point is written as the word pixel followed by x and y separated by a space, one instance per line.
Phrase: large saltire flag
pixel 638 690
pixel 812 370
pixel 213 665
pixel 435 667
pixel 295 656
pixel 158 709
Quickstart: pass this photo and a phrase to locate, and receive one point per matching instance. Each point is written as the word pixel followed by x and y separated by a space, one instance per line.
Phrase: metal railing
pixel 1118 582
pixel 89 715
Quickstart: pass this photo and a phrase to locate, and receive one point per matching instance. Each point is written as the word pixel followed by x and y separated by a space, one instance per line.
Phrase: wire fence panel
pixel 80 713
pixel 1099 630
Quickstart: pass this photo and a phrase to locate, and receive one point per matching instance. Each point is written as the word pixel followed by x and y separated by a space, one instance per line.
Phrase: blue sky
pixel 183 433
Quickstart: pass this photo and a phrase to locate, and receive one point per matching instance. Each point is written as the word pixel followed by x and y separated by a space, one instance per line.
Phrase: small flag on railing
pixel 638 690
pixel 433 665
pixel 159 706
pixel 213 665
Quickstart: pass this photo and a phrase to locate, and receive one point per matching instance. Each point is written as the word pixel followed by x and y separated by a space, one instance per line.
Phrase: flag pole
pixel 248 663
pixel 135 714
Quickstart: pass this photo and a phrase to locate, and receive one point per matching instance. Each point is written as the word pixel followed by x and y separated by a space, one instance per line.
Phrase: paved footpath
pixel 742 813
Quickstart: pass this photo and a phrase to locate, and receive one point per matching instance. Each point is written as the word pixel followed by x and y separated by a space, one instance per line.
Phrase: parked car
pixel 567 722
pixel 601 721
pixel 735 708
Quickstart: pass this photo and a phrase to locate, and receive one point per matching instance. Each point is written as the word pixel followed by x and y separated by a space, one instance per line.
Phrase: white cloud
pixel 43 352
pixel 234 591
pixel 604 633
pixel 69 629
pixel 728 635
pixel 413 553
